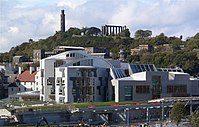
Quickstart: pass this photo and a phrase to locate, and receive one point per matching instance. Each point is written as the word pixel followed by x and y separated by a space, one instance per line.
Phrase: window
pixel 60 91
pixel 78 63
pixel 177 89
pixel 99 90
pixel 142 89
pixel 72 54
pixel 91 62
pixel 63 74
pixel 128 91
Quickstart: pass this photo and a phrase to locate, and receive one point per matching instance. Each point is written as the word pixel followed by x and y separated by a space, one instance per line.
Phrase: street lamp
pixel 127 110
pixel 162 110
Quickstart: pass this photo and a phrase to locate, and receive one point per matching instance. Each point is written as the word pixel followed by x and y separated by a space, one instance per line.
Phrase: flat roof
pixel 70 47
pixel 170 99
pixel 81 67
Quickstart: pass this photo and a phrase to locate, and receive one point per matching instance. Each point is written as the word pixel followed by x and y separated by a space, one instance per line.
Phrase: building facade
pixel 75 76
pixel 81 84
pixel 146 83
pixel 66 66
pixel 38 55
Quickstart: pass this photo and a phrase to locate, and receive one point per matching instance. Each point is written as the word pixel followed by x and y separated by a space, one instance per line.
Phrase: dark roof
pixel 12 85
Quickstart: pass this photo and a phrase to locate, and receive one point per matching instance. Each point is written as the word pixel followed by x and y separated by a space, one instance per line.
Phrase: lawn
pixel 75 105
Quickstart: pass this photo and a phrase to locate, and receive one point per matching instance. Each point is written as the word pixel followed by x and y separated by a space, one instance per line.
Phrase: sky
pixel 21 20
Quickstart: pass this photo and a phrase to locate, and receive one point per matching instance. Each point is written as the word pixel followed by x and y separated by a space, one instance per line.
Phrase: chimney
pixel 19 70
pixel 31 70
pixel 37 69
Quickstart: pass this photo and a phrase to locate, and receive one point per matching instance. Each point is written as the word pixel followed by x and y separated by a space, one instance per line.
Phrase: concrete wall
pixel 51 117
pixel 117 116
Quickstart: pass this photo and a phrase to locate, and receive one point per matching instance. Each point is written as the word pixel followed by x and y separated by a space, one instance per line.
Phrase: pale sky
pixel 21 20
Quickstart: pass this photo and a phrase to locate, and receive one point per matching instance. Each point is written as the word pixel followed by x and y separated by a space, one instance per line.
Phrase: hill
pixel 178 53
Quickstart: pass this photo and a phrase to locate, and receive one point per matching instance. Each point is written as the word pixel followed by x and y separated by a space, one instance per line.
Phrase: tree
pixel 177 112
pixel 195 119
pixel 161 39
pixel 25 66
pixel 143 33
pixel 125 33
pixel 83 30
pixel 74 31
pixel 93 31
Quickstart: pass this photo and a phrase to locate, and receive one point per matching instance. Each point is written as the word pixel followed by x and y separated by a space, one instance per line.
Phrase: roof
pixel 12 85
pixel 26 76
pixel 141 76
pixel 126 79
pixel 179 73
pixel 117 73
pixel 17 56
pixel 29 93
pixel 136 68
pixel 98 53
pixel 80 67
pixel 70 47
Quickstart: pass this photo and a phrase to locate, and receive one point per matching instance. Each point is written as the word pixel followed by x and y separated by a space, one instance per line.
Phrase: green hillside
pixel 180 53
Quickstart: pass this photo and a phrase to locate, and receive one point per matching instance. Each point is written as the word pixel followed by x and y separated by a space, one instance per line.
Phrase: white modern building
pixel 75 76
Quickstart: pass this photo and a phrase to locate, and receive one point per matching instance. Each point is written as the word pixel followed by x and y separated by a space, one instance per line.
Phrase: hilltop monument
pixel 62 22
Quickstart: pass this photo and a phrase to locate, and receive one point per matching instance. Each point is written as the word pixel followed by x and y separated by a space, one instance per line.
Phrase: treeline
pixel 181 53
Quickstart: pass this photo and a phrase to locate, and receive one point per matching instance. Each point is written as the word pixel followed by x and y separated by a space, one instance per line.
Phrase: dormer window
pixel 72 54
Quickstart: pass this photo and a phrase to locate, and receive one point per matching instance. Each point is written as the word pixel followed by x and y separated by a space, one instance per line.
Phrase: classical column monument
pixel 62 22
pixel 112 30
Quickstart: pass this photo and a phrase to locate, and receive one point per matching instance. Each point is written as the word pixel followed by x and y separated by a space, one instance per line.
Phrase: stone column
pixel 113 30
pixel 102 30
pixel 124 27
pixel 106 30
pixel 116 31
pixel 120 29
pixel 109 30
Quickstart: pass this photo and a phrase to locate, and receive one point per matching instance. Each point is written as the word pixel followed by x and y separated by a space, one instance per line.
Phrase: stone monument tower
pixel 62 21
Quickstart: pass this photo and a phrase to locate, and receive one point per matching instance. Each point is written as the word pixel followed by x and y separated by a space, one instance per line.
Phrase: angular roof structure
pixel 12 85
pixel 26 76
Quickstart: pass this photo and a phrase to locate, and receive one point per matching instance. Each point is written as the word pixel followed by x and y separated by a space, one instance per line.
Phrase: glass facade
pixel 83 85
pixel 177 90
pixel 156 87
